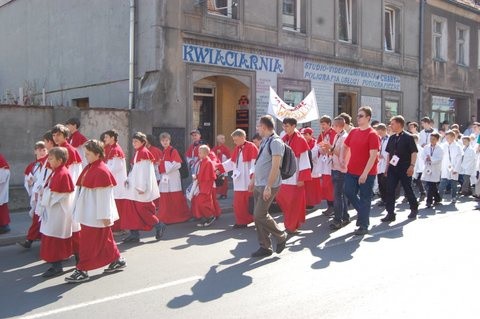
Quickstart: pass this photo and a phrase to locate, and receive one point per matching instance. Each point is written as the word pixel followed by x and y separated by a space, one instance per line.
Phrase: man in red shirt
pixel 362 144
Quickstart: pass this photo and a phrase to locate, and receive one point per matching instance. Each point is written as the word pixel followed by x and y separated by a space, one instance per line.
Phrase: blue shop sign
pixel 231 59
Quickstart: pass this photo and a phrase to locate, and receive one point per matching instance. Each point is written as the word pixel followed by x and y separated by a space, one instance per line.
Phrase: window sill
pixel 439 60
pixel 294 32
pixel 463 65
pixel 222 17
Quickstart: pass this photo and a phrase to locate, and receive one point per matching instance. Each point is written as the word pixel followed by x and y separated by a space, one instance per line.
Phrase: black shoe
pixel 360 231
pixel 345 222
pixel 281 245
pixel 131 239
pixel 292 232
pixel 422 197
pixel 413 214
pixel 328 212
pixel 239 226
pixel 209 221
pixel 335 225
pixel 388 218
pixel 428 206
pixel 77 277
pixel 116 266
pixel 53 272
pixel 438 203
pixel 454 200
pixel 201 222
pixel 160 231
pixel 381 203
pixel 25 244
pixel 262 252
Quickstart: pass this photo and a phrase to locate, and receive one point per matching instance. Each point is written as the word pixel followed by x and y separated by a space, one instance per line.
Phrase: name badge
pixel 394 160
pixel 235 174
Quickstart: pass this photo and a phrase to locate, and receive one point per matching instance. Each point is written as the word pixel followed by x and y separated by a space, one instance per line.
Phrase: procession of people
pixel 81 193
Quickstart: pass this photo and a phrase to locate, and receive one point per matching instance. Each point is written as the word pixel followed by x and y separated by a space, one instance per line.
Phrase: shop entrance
pixel 220 105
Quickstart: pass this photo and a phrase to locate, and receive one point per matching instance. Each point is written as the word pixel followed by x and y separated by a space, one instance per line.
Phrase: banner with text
pixel 305 111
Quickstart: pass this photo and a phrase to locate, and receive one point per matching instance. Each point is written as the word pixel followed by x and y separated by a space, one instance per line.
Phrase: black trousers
pixel 382 186
pixel 432 193
pixel 398 174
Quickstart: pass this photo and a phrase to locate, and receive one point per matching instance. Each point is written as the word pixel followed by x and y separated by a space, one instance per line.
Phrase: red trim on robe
pixel 112 151
pixel 73 155
pixel 97 248
pixel 221 150
pixel 61 181
pixel 4 215
pixel 313 192
pixel 291 200
pixel 3 162
pixel 137 215
pixel 173 208
pixel 142 154
pixel 54 249
pixel 77 139
pixel 240 207
pixel 96 175
pixel 168 155
pixel 249 152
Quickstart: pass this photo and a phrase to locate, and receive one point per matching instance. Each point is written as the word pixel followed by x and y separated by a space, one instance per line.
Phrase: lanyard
pixel 449 155
pixel 47 183
pixel 427 135
pixel 339 135
pixel 432 149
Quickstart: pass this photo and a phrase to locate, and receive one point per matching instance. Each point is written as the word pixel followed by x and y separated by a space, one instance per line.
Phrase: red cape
pixel 220 150
pixel 77 139
pixel 297 142
pixel 311 143
pixel 60 181
pixel 143 154
pixel 96 175
pixel 156 152
pixel 168 155
pixel 206 176
pixel 331 134
pixel 31 167
pixel 112 151
pixel 3 162
pixel 249 152
pixel 73 156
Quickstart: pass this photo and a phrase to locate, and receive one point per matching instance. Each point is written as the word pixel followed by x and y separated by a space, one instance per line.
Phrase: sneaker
pixel 160 231
pixel 335 225
pixel 53 272
pixel 345 222
pixel 360 231
pixel 388 218
pixel 413 214
pixel 77 277
pixel 25 244
pixel 209 221
pixel 202 222
pixel 116 266
pixel 262 252
pixel 281 245
pixel 131 239
pixel 438 203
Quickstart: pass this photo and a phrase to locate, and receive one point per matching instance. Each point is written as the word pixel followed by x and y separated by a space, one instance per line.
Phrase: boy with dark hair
pixel 76 138
pixel 325 141
pixel 74 160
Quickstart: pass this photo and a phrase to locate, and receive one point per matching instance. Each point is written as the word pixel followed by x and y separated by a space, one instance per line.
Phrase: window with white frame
pixel 345 15
pixel 439 38
pixel 462 44
pixel 224 8
pixel 291 15
pixel 390 29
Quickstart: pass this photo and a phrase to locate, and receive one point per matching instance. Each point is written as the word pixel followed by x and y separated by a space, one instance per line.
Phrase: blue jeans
pixel 340 205
pixel 443 186
pixel 360 196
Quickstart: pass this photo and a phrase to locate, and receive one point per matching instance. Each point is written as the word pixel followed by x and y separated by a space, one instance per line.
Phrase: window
pixel 82 103
pixel 224 8
pixel 462 45
pixel 293 17
pixel 439 38
pixel 390 110
pixel 345 20
pixel 390 28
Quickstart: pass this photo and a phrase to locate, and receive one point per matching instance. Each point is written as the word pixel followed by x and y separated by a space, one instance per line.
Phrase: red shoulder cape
pixel 249 152
pixel 96 175
pixel 168 155
pixel 3 162
pixel 73 156
pixel 220 150
pixel 112 151
pixel 143 154
pixel 77 139
pixel 297 142
pixel 61 181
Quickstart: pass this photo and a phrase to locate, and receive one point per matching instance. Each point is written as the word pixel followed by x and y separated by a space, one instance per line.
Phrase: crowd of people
pixel 81 192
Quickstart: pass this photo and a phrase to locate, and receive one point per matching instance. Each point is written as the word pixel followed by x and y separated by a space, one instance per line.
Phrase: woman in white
pixel 432 156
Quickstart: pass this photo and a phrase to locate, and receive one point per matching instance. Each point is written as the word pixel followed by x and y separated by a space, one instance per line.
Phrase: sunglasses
pixel 359 116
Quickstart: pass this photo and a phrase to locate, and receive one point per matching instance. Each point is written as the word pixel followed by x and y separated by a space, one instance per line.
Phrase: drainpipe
pixel 131 73
pixel 421 59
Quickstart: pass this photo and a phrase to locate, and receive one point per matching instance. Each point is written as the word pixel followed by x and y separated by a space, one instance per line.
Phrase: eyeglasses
pixel 359 116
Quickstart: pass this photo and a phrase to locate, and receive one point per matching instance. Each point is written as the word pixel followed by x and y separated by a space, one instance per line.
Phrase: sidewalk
pixel 20 222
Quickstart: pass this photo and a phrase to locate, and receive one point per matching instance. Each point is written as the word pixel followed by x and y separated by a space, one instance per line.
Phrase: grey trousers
pixel 264 223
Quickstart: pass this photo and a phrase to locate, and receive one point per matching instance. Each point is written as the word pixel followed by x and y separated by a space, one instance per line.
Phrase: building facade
pixel 209 64
pixel 451 62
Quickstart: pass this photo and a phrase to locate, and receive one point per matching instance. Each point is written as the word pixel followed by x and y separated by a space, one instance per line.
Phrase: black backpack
pixel 184 168
pixel 288 167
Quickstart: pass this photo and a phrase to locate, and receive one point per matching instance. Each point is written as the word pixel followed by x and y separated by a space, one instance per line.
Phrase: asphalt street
pixel 425 268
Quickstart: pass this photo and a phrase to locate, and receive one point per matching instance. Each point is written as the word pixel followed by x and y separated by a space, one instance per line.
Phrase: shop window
pixel 391 108
pixel 345 20
pixel 462 45
pixel 439 38
pixel 223 8
pixel 293 15
pixel 443 109
pixel 391 29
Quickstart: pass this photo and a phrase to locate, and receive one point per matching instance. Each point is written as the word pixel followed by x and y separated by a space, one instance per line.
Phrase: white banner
pixel 305 111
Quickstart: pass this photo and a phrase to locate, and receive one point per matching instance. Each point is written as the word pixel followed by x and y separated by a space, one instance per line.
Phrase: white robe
pixel 243 170
pixel 94 204
pixel 37 188
pixel 75 170
pixel 142 178
pixel 383 157
pixel 118 168
pixel 4 183
pixel 452 161
pixel 56 219
pixel 170 181
pixel 419 163
pixel 435 166
pixel 303 163
pixel 469 163
pixel 424 137
pixel 316 162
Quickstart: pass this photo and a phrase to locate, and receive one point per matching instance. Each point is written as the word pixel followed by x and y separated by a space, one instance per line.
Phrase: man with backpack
pixel 265 183
pixel 291 197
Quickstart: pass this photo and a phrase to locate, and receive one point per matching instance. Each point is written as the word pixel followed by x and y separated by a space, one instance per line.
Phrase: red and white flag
pixel 305 111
